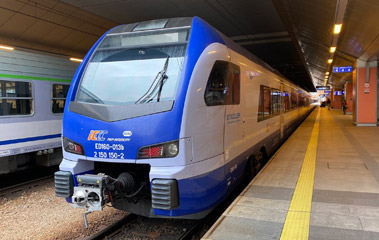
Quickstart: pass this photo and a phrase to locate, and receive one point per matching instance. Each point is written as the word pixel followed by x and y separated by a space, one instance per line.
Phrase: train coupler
pixel 90 192
pixel 95 191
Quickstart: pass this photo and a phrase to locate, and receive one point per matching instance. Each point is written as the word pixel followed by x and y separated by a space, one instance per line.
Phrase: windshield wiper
pixel 156 86
pixel 91 95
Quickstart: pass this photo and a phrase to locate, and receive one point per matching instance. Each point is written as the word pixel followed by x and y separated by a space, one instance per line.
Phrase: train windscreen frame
pixel 135 70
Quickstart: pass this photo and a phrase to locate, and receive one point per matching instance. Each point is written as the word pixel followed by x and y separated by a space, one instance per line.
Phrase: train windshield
pixel 135 68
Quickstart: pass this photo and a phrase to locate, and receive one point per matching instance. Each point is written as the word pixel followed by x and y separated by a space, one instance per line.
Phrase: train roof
pixel 187 22
pixel 154 24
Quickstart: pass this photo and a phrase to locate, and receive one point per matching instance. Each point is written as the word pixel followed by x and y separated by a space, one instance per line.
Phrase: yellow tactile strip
pixel 296 225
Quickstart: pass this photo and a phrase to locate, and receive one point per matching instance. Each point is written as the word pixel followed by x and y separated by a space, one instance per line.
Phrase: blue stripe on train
pixel 21 140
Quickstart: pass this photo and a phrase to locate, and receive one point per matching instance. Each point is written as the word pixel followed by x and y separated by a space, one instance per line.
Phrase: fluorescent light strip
pixel 6 48
pixel 76 59
pixel 337 28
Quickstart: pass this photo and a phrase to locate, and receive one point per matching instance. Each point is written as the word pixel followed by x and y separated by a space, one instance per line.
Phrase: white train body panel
pixel 217 140
pixel 39 128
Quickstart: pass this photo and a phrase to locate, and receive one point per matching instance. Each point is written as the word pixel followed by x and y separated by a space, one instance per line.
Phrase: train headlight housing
pixel 72 147
pixel 163 150
pixel 172 149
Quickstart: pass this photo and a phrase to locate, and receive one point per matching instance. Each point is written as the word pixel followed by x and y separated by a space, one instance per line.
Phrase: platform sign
pixel 319 88
pixel 346 69
pixel 339 93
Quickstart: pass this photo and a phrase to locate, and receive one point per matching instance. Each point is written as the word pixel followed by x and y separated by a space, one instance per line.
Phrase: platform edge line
pixel 296 225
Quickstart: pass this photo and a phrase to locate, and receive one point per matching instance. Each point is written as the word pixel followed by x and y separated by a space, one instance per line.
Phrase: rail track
pixel 138 227
pixel 25 185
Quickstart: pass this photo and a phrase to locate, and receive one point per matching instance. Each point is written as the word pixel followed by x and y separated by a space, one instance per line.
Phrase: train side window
pixel 265 107
pixel 286 101
pixel 215 92
pixel 59 97
pixel 293 101
pixel 223 87
pixel 301 100
pixel 275 101
pixel 15 98
pixel 233 85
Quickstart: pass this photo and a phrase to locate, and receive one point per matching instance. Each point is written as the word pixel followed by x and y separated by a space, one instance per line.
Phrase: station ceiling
pixel 293 36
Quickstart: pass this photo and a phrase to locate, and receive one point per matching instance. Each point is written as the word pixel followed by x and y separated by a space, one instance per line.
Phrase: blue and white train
pixel 33 88
pixel 163 119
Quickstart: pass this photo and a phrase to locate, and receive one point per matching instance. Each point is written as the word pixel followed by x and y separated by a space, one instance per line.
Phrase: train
pixel 33 89
pixel 165 118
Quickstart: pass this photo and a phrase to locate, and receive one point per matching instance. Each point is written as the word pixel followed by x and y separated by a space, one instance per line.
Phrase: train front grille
pixel 64 184
pixel 164 194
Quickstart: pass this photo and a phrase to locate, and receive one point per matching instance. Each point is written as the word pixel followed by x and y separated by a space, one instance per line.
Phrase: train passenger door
pixel 234 121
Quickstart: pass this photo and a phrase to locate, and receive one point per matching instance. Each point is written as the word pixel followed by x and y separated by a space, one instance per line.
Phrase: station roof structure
pixel 293 36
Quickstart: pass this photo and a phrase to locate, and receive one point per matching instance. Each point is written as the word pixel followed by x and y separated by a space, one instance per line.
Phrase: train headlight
pixel 72 147
pixel 171 149
pixel 164 150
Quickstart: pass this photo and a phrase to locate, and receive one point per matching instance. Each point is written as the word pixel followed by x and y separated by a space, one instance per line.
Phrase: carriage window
pixel 286 101
pixel 300 100
pixel 59 97
pixel 275 97
pixel 15 98
pixel 293 101
pixel 264 109
pixel 223 87
pixel 306 101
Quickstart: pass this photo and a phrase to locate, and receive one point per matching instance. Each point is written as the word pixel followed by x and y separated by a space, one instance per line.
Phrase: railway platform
pixel 323 183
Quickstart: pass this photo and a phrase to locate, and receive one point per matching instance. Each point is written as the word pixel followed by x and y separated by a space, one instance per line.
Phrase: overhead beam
pixel 371 52
pixel 261 35
pixel 284 15
pixel 265 41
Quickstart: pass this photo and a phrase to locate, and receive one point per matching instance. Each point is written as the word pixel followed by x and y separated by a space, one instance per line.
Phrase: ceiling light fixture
pixel 327 73
pixel 6 48
pixel 337 28
pixel 332 49
pixel 330 60
pixel 76 59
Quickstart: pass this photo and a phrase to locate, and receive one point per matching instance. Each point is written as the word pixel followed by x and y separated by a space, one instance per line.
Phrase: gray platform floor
pixel 345 202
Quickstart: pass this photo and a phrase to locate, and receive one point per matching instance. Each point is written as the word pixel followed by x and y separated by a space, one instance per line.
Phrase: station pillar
pixel 365 93
pixel 337 99
pixel 349 97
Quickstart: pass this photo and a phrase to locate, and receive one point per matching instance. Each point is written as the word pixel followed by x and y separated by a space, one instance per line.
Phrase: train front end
pixel 122 120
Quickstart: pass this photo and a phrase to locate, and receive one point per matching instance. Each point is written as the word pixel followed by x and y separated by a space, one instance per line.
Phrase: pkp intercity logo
pixel 97 135
pixel 127 133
